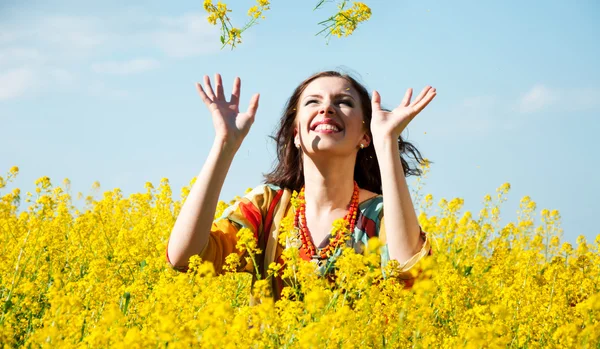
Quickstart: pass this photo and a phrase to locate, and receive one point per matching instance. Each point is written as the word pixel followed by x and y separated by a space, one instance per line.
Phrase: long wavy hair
pixel 288 169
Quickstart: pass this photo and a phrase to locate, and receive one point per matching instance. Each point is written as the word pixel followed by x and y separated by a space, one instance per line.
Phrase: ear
pixel 366 139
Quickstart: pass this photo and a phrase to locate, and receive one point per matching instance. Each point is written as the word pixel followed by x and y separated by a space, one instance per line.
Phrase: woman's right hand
pixel 231 126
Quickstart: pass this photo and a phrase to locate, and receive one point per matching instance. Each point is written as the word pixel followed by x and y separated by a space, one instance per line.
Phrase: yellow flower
pixel 346 20
pixel 13 172
pixel 374 245
pixel 428 198
pixel 97 277
pixel 212 18
pixel 234 36
pixel 504 188
pixel 246 241
pixel 257 11
pixel 232 261
pixel 567 248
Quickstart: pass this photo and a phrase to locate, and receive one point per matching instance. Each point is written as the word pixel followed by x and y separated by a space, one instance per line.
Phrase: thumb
pixel 376 101
pixel 253 106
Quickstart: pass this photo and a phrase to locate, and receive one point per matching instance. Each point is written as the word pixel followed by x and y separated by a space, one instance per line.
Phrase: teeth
pixel 326 127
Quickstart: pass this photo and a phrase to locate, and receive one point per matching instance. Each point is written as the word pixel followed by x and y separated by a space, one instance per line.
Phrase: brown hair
pixel 288 169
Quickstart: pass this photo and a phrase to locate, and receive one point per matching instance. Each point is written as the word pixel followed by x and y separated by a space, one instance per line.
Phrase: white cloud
pixel 99 89
pixel 61 76
pixel 583 98
pixel 479 102
pixel 133 66
pixel 48 45
pixel 6 37
pixel 187 35
pixel 18 55
pixel 469 118
pixel 541 97
pixel 14 83
pixel 74 32
pixel 57 47
pixel 181 36
pixel 482 117
pixel 473 117
pixel 537 98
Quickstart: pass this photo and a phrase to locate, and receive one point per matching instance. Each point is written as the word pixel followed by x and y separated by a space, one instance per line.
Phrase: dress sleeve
pixel 407 273
pixel 252 211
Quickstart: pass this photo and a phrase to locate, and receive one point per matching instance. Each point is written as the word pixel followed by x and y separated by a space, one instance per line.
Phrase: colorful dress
pixel 262 210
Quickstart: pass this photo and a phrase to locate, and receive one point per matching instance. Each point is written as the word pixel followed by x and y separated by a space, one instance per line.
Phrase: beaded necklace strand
pixel 307 242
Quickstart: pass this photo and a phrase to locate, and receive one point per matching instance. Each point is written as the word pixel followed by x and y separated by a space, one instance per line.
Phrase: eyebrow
pixel 337 95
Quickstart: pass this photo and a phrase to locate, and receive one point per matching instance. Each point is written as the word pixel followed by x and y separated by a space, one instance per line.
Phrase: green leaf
pixel 125 302
pixel 7 305
pixel 319 4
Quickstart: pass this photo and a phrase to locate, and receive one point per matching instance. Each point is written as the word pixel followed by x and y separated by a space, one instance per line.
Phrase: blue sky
pixel 105 91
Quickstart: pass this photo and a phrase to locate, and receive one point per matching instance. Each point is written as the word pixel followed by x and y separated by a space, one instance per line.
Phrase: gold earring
pixel 362 146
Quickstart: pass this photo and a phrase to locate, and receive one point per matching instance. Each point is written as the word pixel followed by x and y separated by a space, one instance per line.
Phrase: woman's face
pixel 334 102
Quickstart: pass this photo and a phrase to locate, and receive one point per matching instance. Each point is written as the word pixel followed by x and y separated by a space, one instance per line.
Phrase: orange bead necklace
pixel 307 242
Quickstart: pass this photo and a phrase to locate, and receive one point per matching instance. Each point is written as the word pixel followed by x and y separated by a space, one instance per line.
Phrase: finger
pixel 376 101
pixel 253 106
pixel 406 98
pixel 208 88
pixel 203 95
pixel 235 93
pixel 219 85
pixel 425 101
pixel 421 95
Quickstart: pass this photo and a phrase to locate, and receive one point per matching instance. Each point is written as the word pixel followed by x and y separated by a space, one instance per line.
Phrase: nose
pixel 327 109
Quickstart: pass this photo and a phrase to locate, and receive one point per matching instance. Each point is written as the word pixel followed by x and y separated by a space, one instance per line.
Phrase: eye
pixel 311 101
pixel 346 102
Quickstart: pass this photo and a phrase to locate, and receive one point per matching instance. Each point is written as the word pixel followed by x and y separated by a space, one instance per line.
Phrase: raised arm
pixel 402 223
pixel 191 231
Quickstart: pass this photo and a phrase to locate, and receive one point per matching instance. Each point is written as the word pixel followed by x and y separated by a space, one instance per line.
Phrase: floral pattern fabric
pixel 262 210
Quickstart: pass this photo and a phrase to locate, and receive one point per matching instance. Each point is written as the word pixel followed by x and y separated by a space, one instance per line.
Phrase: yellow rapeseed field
pixel 99 278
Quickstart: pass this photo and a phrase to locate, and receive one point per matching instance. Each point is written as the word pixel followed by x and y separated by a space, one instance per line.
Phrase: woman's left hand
pixel 390 125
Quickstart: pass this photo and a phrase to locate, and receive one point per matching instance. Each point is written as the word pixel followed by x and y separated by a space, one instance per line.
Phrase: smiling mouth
pixel 327 128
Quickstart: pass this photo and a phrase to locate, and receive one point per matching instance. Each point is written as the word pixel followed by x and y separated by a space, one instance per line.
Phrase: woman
pixel 339 149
